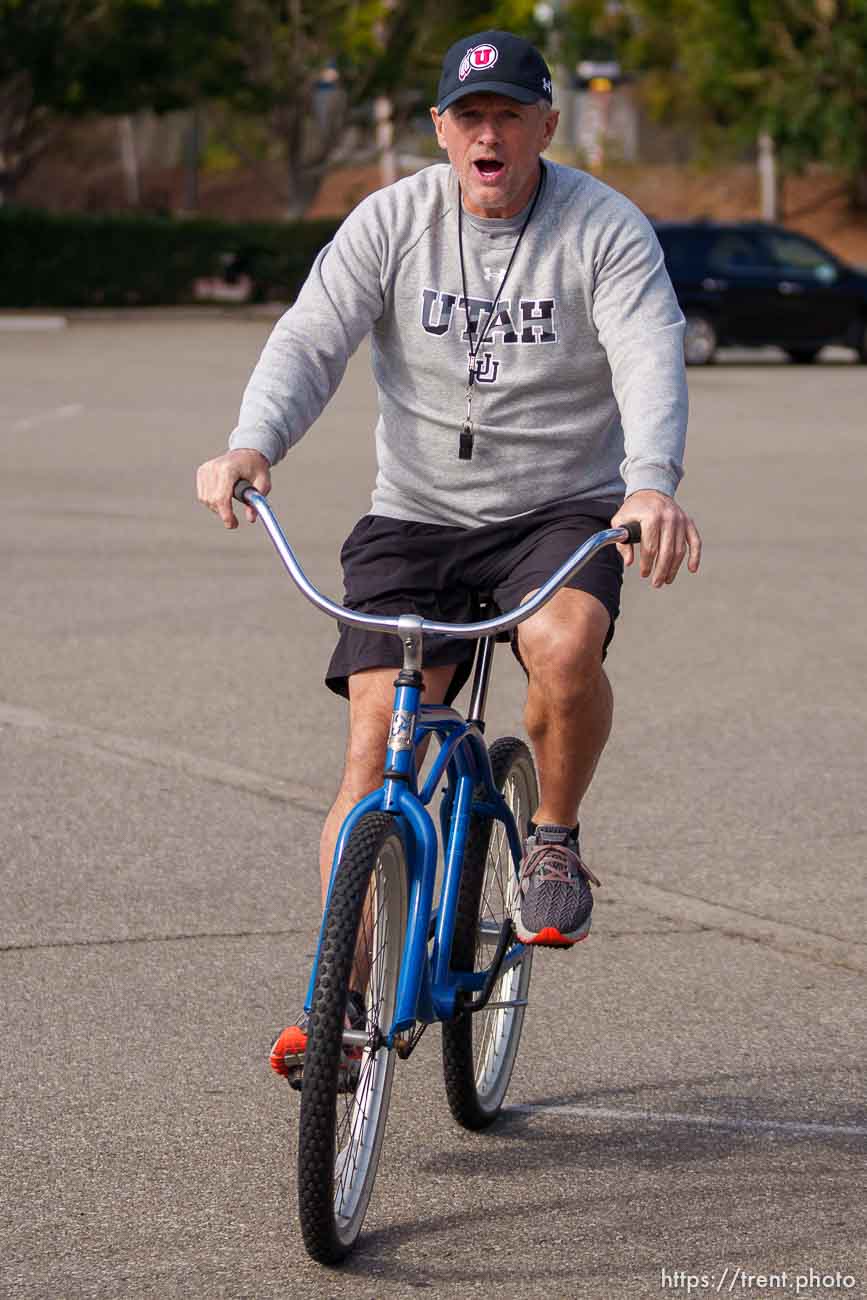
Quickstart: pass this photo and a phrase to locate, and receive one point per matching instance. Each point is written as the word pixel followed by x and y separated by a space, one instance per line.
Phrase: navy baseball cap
pixel 498 63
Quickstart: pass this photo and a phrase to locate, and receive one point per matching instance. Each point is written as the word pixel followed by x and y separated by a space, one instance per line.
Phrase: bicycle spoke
pixel 346 1086
pixel 493 909
pixel 372 981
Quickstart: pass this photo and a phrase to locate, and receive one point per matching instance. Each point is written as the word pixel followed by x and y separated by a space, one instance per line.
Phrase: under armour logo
pixel 546 85
pixel 488 272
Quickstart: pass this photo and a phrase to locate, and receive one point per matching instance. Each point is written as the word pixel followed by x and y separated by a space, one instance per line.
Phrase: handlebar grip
pixel 240 488
pixel 633 528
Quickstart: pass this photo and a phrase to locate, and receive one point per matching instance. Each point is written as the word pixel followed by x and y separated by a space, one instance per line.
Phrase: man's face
pixel 493 143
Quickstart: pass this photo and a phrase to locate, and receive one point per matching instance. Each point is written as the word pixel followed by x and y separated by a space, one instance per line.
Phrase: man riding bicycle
pixel 528 355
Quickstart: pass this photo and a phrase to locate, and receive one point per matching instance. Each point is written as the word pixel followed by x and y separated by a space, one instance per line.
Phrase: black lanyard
pixel 465 448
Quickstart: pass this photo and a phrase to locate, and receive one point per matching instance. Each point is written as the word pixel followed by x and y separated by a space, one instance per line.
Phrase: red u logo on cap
pixel 477 59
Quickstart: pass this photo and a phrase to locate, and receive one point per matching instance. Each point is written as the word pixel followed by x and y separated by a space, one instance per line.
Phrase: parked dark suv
pixel 751 283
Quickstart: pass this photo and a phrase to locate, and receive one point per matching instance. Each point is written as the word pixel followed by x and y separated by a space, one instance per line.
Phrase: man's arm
pixel 641 328
pixel 306 355
pixel 303 361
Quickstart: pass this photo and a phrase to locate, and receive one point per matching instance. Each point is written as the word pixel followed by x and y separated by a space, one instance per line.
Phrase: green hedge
pixel 77 260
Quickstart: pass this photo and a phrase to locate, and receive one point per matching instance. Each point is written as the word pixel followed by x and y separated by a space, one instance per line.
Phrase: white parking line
pixel 796 1128
pixel 113 747
pixel 46 417
pixel 784 936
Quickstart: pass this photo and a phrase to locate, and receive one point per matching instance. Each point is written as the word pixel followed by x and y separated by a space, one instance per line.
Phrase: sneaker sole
pixel 551 937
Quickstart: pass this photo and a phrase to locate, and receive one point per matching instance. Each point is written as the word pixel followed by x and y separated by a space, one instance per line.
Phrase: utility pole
pixel 767 177
pixel 383 115
pixel 129 159
pixel 382 112
pixel 192 148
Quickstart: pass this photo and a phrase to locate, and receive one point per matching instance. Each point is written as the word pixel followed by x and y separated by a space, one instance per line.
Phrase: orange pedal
pixel 292 1043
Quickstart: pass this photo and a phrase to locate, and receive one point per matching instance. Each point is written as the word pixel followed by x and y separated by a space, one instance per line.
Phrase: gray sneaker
pixel 555 897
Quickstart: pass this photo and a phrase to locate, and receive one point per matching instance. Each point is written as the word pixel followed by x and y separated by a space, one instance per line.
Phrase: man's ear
pixel 438 127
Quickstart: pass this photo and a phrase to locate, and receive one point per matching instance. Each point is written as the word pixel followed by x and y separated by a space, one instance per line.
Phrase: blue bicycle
pixel 387 945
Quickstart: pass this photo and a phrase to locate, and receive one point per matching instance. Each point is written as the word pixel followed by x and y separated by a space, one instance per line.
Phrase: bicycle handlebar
pixel 399 626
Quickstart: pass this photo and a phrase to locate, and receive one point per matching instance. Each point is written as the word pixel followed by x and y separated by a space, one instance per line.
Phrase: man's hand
pixel 216 479
pixel 667 533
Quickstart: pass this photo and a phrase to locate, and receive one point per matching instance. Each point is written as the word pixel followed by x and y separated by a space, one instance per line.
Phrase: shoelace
pixel 556 862
pixel 553 861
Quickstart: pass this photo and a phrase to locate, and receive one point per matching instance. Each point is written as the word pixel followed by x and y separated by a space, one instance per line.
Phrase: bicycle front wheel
pixel 346 1087
pixel 479 1049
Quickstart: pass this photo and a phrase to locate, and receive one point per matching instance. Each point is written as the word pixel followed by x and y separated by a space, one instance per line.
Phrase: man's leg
pixel 569 699
pixel 371 695
pixel 568 718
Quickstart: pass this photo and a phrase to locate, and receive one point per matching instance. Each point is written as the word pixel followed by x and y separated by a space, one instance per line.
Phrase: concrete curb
pixel 24 320
pixel 31 324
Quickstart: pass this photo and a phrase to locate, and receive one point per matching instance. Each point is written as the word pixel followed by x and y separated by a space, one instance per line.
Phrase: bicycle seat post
pixel 481 681
pixel 409 627
pixel 408 686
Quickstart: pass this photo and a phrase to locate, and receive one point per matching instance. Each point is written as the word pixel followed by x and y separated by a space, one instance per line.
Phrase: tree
pixel 156 54
pixel 310 68
pixel 816 103
pixel 796 69
pixel 75 57
pixel 33 77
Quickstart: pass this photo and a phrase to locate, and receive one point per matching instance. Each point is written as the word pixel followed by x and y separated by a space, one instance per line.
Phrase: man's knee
pixel 563 648
pixel 562 657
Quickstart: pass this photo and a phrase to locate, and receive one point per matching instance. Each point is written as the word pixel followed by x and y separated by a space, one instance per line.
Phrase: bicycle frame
pixel 428 987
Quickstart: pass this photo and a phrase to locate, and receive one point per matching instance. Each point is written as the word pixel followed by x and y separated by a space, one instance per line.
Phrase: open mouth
pixel 489 168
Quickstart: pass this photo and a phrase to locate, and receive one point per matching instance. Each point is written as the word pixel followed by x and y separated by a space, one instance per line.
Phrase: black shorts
pixel 397 566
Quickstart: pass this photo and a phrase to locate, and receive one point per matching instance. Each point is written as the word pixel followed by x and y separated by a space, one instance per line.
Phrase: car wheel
pixel 803 356
pixel 699 340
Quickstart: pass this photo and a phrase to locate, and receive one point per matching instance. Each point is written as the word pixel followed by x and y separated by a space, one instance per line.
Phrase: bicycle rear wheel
pixel 341 1126
pixel 479 1049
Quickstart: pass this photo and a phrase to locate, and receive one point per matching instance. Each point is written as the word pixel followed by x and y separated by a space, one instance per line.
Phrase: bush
pixel 78 260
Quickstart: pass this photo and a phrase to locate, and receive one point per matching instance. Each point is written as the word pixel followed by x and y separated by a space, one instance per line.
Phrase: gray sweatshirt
pixel 582 390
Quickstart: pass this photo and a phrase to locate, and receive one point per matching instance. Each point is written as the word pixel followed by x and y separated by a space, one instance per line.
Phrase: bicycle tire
pixel 340 1133
pixel 479 1048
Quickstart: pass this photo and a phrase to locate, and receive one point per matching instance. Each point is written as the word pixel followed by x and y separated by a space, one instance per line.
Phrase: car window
pixel 683 250
pixel 797 255
pixel 735 251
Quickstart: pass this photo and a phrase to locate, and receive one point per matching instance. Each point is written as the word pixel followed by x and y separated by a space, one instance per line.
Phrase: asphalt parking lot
pixel 688 1111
